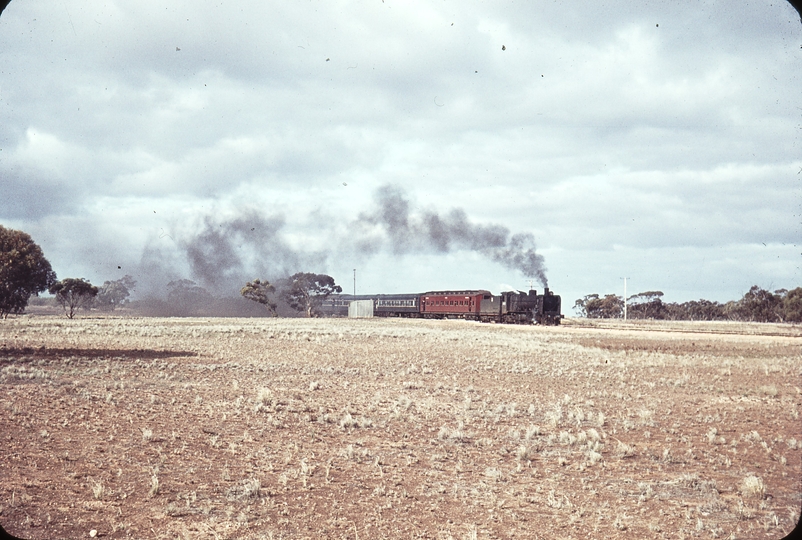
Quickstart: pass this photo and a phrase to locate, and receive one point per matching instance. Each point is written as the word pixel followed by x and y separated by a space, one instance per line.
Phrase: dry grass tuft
pixel 524 452
pixel 624 450
pixel 593 456
pixel 98 490
pixel 768 390
pixel 453 434
pixel 348 421
pixel 752 487
pixel 154 486
pixel 265 400
pixel 554 416
pixel 246 489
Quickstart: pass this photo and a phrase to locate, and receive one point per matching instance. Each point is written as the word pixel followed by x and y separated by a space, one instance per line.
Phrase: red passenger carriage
pixel 465 304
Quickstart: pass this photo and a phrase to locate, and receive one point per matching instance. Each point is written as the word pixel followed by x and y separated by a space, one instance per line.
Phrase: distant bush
pixel 757 305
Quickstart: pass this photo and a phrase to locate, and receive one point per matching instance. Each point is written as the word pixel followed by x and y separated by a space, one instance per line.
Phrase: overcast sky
pixel 422 143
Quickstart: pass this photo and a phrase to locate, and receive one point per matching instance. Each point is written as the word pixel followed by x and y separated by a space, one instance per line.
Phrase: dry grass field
pixel 360 429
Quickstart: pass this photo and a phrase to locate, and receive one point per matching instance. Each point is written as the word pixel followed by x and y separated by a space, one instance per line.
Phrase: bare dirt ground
pixel 332 428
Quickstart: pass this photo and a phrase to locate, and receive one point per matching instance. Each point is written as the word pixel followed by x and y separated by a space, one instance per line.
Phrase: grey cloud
pixel 26 194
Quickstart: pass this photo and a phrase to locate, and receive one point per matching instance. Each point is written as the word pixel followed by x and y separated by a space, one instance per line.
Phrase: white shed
pixel 360 309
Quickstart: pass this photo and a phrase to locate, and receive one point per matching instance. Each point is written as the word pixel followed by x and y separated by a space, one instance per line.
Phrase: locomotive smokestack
pixel 546 291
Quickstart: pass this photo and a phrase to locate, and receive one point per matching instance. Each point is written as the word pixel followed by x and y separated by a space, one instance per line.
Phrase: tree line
pixel 758 305
pixel 25 272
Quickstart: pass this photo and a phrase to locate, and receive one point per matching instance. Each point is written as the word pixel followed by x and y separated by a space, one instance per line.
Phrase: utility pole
pixel 625 297
pixel 354 281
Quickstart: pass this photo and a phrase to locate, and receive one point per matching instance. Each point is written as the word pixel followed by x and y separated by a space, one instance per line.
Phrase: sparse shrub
pixel 600 419
pixel 752 436
pixel 531 432
pixel 483 442
pixel 567 438
pixel 624 450
pixel 768 390
pixel 646 417
pixel 348 421
pixel 594 446
pixel 593 456
pixel 752 487
pixel 556 501
pixel 246 489
pixel 471 534
pixel 524 452
pixel 554 416
pixel 402 405
pixel 306 468
pixel 452 434
pixel 98 490
pixel 532 409
pixel 154 486
pixel 265 400
pixel 646 491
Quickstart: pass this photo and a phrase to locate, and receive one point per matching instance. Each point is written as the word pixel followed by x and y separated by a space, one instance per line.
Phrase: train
pixel 513 307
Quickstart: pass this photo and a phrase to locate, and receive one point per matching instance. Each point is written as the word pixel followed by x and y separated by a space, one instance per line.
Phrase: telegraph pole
pixel 625 297
pixel 354 281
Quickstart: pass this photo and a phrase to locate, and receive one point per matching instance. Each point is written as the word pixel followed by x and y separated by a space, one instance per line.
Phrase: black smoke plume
pixel 236 250
pixel 430 231
pixel 226 253
pixel 220 255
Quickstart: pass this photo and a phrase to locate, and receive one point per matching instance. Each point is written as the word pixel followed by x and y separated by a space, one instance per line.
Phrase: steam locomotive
pixel 514 307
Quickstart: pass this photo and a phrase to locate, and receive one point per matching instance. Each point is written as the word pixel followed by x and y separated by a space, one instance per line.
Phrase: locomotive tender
pixel 476 305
